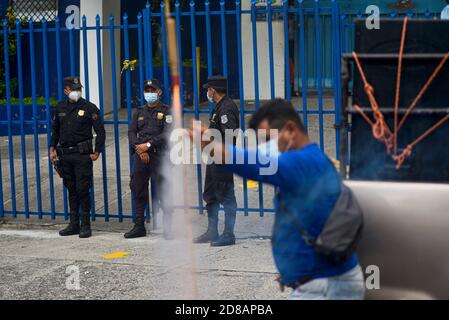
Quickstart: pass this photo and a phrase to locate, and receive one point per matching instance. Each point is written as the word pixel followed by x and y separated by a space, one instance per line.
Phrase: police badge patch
pixel 224 119
pixel 81 113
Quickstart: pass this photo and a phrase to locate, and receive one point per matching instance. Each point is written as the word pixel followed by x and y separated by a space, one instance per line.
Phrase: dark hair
pixel 277 112
pixel 220 91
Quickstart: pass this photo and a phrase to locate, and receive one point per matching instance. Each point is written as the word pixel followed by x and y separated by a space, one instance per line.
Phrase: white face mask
pixel 211 100
pixel 74 95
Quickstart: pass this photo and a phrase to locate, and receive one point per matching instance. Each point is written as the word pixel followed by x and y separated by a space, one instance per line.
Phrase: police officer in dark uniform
pixel 219 184
pixel 71 142
pixel 148 138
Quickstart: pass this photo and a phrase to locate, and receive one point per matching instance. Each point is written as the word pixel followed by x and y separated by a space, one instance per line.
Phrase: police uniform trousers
pixel 77 172
pixel 140 177
pixel 219 189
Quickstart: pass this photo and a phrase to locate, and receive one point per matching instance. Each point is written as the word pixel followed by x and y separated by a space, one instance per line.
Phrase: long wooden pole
pixel 177 117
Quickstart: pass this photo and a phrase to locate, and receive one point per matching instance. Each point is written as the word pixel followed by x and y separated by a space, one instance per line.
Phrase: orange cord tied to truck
pixel 380 129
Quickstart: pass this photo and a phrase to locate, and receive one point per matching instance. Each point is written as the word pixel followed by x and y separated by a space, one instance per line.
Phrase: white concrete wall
pixel 90 8
pixel 263 56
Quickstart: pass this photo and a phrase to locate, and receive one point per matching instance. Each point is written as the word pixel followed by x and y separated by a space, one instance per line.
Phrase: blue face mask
pixel 151 97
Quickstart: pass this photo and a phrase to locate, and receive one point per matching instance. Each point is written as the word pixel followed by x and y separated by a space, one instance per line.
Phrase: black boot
pixel 85 231
pixel 226 239
pixel 210 235
pixel 73 227
pixel 138 230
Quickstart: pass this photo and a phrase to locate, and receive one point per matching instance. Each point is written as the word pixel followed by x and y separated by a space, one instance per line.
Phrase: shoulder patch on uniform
pixel 168 118
pixel 224 119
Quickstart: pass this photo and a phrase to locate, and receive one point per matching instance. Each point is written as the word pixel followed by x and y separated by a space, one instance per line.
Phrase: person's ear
pixel 290 127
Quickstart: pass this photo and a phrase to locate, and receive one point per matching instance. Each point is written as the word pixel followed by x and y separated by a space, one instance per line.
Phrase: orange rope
pixel 423 90
pixel 398 86
pixel 408 151
pixel 380 128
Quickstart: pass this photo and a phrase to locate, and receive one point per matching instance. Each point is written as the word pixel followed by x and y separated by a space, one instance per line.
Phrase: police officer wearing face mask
pixel 148 138
pixel 71 142
pixel 219 184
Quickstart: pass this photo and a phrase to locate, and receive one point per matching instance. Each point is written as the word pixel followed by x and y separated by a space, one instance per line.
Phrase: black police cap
pixel 73 83
pixel 216 82
pixel 152 83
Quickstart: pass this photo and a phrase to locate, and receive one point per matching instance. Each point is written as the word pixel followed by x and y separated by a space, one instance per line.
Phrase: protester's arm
pixel 248 164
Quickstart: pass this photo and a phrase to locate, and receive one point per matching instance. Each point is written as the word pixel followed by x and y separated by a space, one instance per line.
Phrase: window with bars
pixel 35 9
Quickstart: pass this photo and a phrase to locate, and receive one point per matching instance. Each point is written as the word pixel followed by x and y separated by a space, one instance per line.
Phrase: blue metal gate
pixel 28 187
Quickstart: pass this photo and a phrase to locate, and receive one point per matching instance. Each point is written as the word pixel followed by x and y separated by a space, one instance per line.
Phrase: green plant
pixel 10 24
pixel 28 101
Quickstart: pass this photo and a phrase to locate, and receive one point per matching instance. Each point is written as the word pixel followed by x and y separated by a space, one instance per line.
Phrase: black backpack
pixel 342 231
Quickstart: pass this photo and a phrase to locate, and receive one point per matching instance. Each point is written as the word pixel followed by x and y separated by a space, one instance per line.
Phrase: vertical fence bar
pixel 302 49
pixel 195 95
pixel 270 48
pixel 87 92
pixel 128 94
pixel 101 107
pixel 238 20
pixel 223 38
pixel 22 120
pixel 140 45
pixel 116 127
pixel 319 76
pixel 148 51
pixel 48 115
pixel 35 124
pixel 179 45
pixel 9 116
pixel 141 75
pixel 60 95
pixel 72 52
pixel 343 33
pixel 164 55
pixel 286 51
pixel 256 86
pixel 337 73
pixel 148 42
pixel 209 49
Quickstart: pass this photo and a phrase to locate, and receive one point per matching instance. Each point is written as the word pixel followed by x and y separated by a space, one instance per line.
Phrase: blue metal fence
pixel 34 197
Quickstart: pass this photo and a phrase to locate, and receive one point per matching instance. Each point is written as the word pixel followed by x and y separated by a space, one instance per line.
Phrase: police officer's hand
pixel 141 148
pixel 53 155
pixel 145 157
pixel 94 156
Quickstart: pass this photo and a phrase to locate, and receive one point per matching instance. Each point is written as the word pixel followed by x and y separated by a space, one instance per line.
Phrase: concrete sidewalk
pixel 34 264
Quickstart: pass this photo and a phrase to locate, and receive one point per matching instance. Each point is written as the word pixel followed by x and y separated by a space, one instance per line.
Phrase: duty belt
pixel 68 150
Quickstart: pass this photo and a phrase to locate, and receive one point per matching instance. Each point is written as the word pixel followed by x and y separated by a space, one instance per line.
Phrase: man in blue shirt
pixel 309 186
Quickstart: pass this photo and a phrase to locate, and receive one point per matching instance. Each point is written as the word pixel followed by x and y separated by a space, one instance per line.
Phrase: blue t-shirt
pixel 309 186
